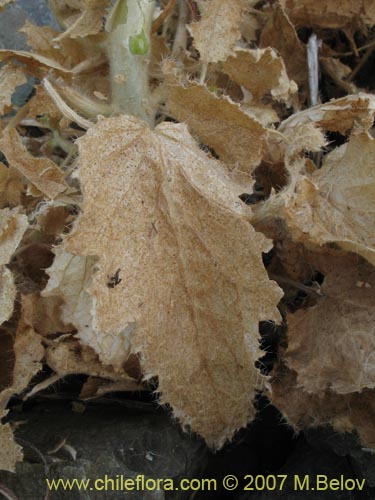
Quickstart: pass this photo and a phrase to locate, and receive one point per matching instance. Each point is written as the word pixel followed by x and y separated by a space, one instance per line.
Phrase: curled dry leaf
pixel 216 33
pixel 331 346
pixel 12 228
pixel 260 71
pixel 352 112
pixel 10 77
pixel 280 34
pixel 165 221
pixel 333 205
pixel 42 172
pixel 36 64
pixel 10 452
pixel 236 136
pixel 333 14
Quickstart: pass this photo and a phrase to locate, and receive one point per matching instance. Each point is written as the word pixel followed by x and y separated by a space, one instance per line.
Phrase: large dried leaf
pixel 42 172
pixel 165 222
pixel 260 71
pixel 10 452
pixel 12 186
pixel 280 34
pixel 237 137
pixel 332 345
pixel 216 33
pixel 334 14
pixel 35 64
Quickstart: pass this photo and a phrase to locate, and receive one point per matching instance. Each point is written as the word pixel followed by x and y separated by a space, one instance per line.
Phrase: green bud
pixel 138 44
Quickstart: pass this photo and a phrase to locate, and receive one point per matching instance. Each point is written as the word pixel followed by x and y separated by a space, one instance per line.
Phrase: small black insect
pixel 114 280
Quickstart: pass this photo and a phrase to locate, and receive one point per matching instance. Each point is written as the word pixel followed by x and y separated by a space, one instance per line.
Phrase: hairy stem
pixel 130 27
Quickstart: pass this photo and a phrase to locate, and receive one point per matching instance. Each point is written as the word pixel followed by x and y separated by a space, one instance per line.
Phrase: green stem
pixel 130 27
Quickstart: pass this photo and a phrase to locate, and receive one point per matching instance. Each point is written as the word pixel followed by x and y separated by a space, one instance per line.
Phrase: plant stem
pixel 130 27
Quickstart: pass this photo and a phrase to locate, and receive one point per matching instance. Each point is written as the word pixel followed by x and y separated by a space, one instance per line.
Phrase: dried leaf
pixel 237 137
pixel 10 77
pixel 338 115
pixel 168 272
pixel 42 172
pixel 345 413
pixel 260 71
pixel 333 14
pixel 334 205
pixel 10 452
pixel 28 352
pixel 338 331
pixel 7 294
pixel 12 186
pixel 12 228
pixel 280 34
pixel 36 65
pixel 216 33
pixel 88 20
pixel 70 277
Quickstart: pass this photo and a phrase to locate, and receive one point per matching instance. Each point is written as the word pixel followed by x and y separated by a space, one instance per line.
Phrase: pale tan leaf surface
pixel 237 137
pixel 260 71
pixel 69 279
pixel 333 14
pixel 10 452
pixel 331 346
pixel 42 172
pixel 7 294
pixel 280 34
pixel 10 77
pixel 28 353
pixel 165 208
pixel 216 33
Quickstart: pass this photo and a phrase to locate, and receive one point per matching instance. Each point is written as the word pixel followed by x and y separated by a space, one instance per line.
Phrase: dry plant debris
pixel 161 155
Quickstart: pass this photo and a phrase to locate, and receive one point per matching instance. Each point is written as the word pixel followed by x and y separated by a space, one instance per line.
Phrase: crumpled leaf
pixel 42 172
pixel 337 115
pixel 10 452
pixel 36 64
pixel 237 137
pixel 331 345
pixel 28 353
pixel 333 205
pixel 216 33
pixel 280 34
pixel 174 221
pixel 10 77
pixel 333 14
pixel 260 71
